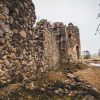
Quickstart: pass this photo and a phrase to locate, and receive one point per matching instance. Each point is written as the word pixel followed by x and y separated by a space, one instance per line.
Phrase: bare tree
pixel 98 27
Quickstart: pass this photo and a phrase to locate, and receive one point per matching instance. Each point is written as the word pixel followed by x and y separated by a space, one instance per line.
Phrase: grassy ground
pixel 61 71
pixel 66 68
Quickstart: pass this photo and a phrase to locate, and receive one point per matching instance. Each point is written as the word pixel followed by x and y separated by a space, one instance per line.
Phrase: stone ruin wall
pixel 58 29
pixel 26 52
pixel 50 53
pixel 67 39
pixel 17 62
pixel 73 43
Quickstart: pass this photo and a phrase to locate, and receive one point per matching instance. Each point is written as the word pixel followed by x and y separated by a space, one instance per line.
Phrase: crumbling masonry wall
pixel 68 41
pixel 26 52
pixel 58 29
pixel 49 55
pixel 60 40
pixel 73 43
pixel 17 18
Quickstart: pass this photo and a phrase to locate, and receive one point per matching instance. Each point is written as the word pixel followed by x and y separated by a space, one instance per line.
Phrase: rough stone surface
pixel 16 41
pixel 72 88
pixel 73 43
pixel 61 43
pixel 26 52
pixel 49 52
pixel 68 40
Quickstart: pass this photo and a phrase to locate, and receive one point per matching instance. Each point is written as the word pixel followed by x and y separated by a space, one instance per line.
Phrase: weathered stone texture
pixel 59 40
pixel 16 40
pixel 26 52
pixel 49 52
pixel 73 43
pixel 58 29
pixel 68 41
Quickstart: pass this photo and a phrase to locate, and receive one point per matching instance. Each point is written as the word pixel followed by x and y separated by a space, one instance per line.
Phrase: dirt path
pixel 91 75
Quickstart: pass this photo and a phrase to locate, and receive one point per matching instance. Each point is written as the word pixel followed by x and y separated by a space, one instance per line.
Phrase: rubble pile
pixel 73 86
pixel 16 40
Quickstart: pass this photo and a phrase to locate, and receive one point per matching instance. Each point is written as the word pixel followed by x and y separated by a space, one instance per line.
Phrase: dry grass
pixel 10 88
pixel 56 76
pixel 91 75
pixel 60 73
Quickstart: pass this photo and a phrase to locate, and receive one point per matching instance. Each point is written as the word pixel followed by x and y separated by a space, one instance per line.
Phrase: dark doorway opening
pixel 77 51
pixel 69 35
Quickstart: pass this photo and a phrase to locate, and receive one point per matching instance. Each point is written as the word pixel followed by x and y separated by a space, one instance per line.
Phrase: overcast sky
pixel 82 13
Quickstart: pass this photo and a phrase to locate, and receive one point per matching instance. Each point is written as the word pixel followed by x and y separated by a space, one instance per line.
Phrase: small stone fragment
pixel 23 34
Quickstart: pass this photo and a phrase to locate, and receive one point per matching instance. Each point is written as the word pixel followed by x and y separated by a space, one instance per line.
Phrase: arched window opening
pixel 69 35
pixel 77 50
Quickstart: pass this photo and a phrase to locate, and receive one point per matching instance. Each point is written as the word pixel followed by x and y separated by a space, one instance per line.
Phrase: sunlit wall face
pixel 82 13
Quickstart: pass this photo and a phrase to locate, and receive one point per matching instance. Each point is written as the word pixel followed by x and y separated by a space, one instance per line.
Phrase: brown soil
pixel 10 88
pixel 56 76
pixel 91 75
